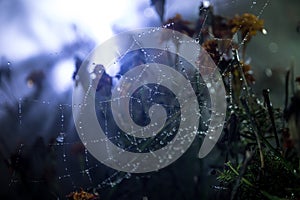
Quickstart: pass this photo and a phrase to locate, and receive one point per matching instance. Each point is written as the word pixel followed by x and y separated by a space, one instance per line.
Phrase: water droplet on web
pixel 268 72
pixel 139 35
pixel 20 111
pixel 254 2
pixel 92 76
pixel 264 31
pixel 60 138
pixel 127 176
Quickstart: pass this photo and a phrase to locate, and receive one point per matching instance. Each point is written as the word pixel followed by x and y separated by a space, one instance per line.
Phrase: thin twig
pixel 241 174
pixel 245 104
pixel 292 78
pixel 286 102
pixel 271 114
pixel 244 180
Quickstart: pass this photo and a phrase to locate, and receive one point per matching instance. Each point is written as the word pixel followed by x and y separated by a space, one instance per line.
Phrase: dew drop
pixel 92 76
pixel 60 138
pixel 268 72
pixel 264 31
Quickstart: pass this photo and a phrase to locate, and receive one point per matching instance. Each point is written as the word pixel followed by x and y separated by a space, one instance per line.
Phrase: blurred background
pixel 42 43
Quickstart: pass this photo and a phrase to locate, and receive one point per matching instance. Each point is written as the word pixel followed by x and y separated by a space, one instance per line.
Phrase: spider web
pixel 64 157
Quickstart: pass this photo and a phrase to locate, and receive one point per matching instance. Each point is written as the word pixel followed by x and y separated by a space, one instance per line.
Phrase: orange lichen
pixel 82 195
pixel 178 24
pixel 247 24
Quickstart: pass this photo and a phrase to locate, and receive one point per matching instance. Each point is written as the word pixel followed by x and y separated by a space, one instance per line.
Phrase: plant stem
pixel 245 104
pixel 247 182
pixel 271 114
